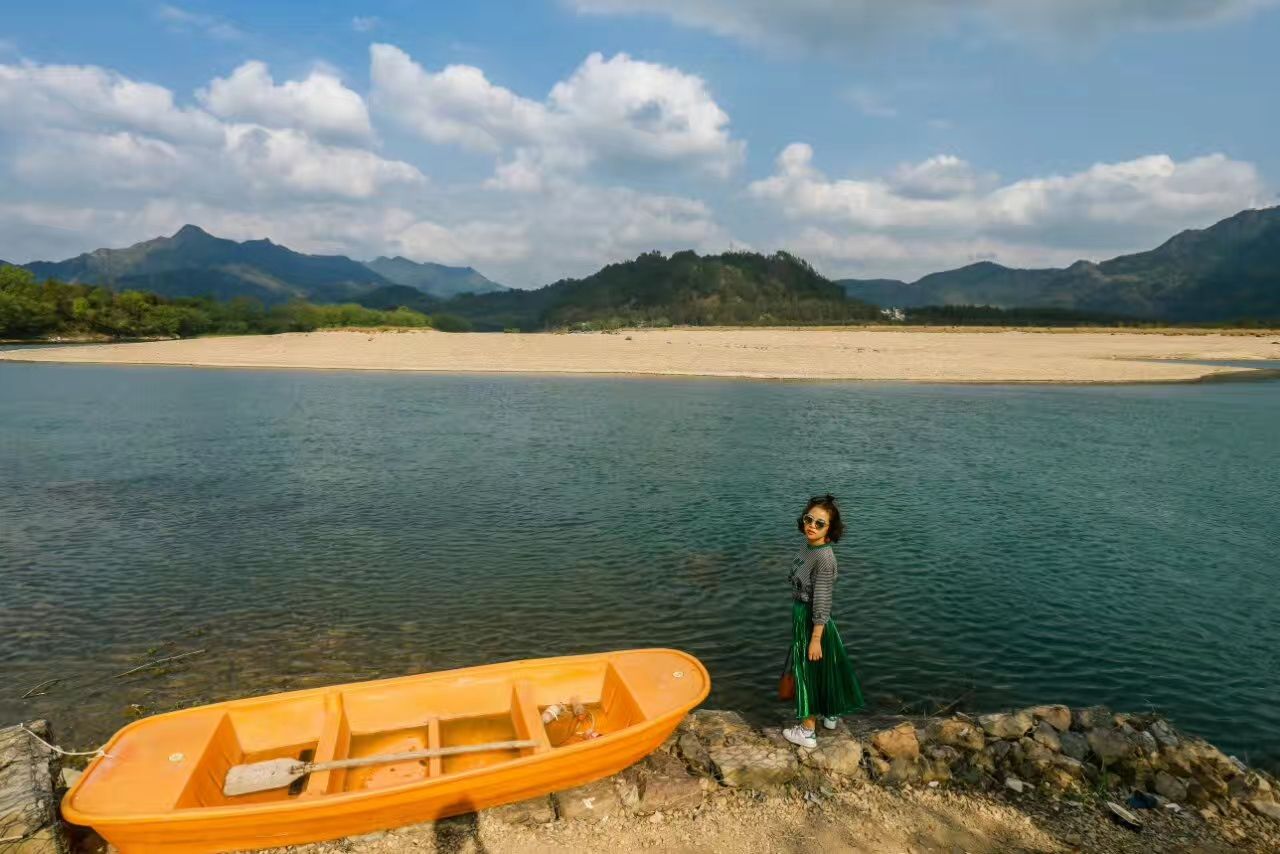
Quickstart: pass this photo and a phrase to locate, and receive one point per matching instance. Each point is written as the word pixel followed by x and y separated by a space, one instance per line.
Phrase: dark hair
pixel 827 502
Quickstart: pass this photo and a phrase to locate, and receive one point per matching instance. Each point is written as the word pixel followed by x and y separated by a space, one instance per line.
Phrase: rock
pixel 1047 735
pixel 666 793
pixel 954 732
pixel 1058 717
pixel 906 770
pixel 694 753
pixel 897 743
pixel 713 727
pixel 838 753
pixel 1163 735
pixel 754 765
pixel 1170 786
pixel 1146 743
pixel 28 809
pixel 594 800
pixel 70 776
pixel 1015 784
pixel 1074 744
pixel 1091 718
pixel 879 767
pixel 1013 725
pixel 1109 745
pixel 998 751
pixel 531 812
pixel 1267 809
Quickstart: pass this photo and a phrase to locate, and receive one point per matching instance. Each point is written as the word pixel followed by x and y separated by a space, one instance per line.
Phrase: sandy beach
pixel 866 353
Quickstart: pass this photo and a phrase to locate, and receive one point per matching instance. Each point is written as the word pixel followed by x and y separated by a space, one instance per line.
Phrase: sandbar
pixel 842 353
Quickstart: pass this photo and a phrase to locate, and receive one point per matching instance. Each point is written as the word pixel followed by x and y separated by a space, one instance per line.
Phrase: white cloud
pixel 607 114
pixel 93 128
pixel 320 104
pixel 87 97
pixel 942 212
pixel 830 24
pixel 184 20
pixel 365 23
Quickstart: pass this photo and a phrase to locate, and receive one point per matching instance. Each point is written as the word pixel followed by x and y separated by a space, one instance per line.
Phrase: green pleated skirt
pixel 827 687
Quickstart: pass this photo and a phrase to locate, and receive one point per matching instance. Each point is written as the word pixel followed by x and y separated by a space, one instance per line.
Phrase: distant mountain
pixel 437 280
pixel 195 263
pixel 734 288
pixel 1228 271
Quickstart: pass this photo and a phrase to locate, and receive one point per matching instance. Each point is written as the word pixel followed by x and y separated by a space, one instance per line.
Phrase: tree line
pixel 30 309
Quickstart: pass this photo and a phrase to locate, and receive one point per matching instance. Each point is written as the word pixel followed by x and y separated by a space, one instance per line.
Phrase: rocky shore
pixel 1045 778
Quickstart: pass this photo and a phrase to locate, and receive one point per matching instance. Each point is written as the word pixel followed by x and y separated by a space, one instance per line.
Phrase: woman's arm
pixel 824 582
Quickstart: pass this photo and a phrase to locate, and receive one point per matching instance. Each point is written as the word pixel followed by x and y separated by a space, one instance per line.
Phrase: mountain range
pixel 1228 271
pixel 193 262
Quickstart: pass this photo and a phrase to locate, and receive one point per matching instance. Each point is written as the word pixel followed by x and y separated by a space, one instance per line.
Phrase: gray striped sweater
pixel 813 578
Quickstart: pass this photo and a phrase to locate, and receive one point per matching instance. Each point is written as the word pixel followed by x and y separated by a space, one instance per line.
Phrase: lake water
pixel 1006 544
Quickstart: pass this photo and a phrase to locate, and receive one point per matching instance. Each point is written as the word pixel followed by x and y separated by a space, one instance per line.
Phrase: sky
pixel 541 139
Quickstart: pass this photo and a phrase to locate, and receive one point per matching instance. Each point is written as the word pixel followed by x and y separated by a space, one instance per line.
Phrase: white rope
pixel 59 750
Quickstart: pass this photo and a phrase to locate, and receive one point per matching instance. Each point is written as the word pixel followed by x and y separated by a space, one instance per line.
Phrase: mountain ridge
pixel 193 262
pixel 1229 270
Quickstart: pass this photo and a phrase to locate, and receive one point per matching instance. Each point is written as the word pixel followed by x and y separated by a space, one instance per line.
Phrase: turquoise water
pixel 1006 544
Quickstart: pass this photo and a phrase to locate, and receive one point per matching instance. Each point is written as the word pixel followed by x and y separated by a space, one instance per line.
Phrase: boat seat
pixel 334 742
pixel 528 720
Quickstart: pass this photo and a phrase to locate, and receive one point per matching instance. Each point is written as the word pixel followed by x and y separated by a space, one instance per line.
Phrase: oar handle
pixel 311 767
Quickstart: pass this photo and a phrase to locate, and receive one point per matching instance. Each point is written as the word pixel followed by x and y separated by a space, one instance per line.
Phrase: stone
pixel 594 800
pixel 1015 784
pixel 1058 717
pixel 28 808
pixel 1047 735
pixel 1163 735
pixel 715 727
pixel 906 770
pixel 897 743
pixel 1074 744
pixel 879 766
pixel 694 753
pixel 70 776
pixel 669 792
pixel 1091 718
pixel 1109 745
pixel 838 753
pixel 1267 809
pixel 754 765
pixel 954 732
pixel 1012 725
pixel 1147 745
pixel 1170 786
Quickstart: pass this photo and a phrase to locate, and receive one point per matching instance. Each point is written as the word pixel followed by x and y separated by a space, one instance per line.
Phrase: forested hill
pixel 736 288
pixel 1229 271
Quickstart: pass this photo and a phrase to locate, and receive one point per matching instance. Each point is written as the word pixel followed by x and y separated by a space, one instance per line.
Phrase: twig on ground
pixel 159 661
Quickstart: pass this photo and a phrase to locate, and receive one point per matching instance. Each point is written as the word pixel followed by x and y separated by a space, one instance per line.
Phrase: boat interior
pixel 405 716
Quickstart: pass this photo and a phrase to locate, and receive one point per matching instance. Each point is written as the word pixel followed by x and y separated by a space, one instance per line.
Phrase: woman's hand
pixel 815 648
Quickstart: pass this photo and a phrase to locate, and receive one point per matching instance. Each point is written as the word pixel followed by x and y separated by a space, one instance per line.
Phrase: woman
pixel 825 681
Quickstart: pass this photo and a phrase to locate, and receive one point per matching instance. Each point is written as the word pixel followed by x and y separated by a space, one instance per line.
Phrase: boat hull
pixel 642 708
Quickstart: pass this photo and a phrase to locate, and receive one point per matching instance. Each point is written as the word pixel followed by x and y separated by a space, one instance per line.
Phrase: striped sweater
pixel 813 579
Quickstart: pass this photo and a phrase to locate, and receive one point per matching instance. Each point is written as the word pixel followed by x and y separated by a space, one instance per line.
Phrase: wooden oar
pixel 278 773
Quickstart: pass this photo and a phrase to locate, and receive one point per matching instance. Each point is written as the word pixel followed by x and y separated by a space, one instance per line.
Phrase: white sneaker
pixel 801 736
pixel 830 723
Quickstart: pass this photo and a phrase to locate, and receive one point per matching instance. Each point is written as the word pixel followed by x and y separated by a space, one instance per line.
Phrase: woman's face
pixel 816 522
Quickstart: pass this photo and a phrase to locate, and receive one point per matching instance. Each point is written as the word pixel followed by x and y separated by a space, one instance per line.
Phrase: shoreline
pixel 974 356
pixel 1033 779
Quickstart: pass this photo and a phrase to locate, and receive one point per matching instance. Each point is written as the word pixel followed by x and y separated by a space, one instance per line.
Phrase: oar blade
pixel 262 776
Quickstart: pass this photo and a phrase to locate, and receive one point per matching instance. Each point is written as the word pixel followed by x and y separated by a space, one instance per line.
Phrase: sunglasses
pixel 810 520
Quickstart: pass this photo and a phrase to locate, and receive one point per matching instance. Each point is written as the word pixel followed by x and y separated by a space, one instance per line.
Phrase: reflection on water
pixel 1007 545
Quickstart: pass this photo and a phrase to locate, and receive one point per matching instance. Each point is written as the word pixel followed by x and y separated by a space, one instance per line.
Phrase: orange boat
pixel 159 786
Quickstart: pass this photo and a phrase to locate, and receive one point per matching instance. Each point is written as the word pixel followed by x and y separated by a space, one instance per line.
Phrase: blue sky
pixel 535 140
